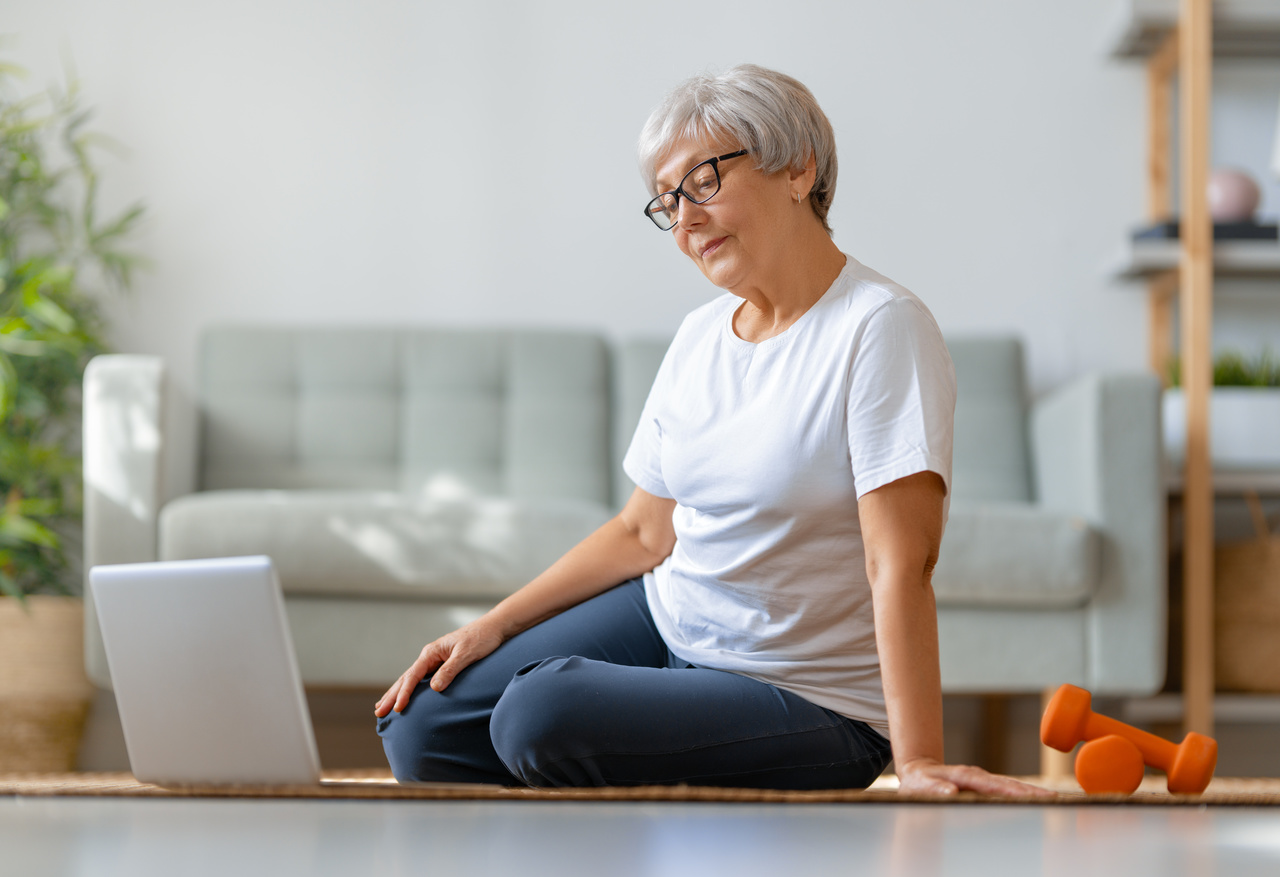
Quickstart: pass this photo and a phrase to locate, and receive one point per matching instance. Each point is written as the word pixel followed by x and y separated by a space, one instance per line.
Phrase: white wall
pixel 394 161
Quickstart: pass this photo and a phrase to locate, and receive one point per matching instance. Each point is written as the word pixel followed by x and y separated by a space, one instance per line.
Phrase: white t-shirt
pixel 766 449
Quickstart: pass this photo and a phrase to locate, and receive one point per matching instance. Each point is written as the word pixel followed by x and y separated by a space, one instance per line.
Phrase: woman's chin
pixel 722 273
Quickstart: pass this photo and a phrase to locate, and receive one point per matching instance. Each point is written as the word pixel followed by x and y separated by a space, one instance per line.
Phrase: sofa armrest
pixel 122 466
pixel 1096 452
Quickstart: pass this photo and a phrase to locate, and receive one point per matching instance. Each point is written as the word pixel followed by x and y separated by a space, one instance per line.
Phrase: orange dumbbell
pixel 1113 758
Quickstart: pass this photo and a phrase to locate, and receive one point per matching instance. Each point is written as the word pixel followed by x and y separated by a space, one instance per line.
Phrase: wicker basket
pixel 1247 610
pixel 44 693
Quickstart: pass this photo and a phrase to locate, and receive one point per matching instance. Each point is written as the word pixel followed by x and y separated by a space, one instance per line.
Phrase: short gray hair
pixel 769 113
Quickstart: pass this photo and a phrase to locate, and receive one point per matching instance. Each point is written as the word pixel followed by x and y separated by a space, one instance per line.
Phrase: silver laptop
pixel 204 672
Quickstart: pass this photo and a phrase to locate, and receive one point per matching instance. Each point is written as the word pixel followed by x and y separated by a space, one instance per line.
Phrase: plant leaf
pixel 47 312
pixel 23 529
pixel 21 346
pixel 121 225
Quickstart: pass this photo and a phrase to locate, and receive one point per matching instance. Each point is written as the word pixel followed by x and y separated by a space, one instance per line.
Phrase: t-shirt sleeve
pixel 902 397
pixel 643 460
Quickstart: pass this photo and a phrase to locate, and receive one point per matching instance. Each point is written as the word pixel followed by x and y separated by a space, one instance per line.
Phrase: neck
pixel 804 271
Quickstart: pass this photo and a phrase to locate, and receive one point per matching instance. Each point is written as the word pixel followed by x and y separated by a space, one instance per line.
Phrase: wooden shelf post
pixel 1161 67
pixel 1195 38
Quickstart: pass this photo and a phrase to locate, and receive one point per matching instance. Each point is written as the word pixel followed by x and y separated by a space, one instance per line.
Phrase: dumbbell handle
pixel 1156 751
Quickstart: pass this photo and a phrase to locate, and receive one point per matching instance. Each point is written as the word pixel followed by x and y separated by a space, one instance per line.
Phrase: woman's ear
pixel 803 178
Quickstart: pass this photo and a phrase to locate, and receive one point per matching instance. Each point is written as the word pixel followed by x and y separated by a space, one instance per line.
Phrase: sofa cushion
pixel 359 543
pixel 1016 555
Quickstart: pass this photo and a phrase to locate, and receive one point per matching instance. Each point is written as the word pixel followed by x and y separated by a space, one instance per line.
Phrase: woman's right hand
pixel 446 658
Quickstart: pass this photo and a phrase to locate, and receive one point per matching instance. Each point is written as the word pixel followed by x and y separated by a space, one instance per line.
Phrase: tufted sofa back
pixel 991 459
pixel 502 413
pixel 446 412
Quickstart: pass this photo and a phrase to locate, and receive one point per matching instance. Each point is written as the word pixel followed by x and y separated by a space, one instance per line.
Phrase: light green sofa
pixel 404 480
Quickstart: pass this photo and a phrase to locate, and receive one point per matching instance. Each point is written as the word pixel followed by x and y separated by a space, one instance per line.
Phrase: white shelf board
pixel 1230 258
pixel 1167 708
pixel 1232 481
pixel 1241 28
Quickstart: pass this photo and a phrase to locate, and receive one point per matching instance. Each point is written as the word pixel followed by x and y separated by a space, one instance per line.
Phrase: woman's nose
pixel 688 213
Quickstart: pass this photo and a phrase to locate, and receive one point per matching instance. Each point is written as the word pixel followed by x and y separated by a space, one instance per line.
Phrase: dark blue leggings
pixel 593 697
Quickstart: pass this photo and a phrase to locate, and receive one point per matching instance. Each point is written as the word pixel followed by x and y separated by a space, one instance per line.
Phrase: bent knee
pixel 402 743
pixel 543 727
pixel 421 744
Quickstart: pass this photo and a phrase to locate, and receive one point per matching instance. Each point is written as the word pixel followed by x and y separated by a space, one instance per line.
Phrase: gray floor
pixel 140 838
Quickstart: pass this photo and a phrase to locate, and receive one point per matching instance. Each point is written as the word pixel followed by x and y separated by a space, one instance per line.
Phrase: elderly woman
pixel 760 612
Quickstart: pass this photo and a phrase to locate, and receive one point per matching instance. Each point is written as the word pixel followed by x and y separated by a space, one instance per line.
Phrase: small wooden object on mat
pixel 380 785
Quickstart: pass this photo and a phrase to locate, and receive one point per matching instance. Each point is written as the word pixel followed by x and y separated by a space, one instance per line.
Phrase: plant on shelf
pixel 1245 418
pixel 56 253
pixel 1233 369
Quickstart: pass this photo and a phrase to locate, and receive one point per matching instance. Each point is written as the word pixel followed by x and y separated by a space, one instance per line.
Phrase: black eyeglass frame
pixel 679 191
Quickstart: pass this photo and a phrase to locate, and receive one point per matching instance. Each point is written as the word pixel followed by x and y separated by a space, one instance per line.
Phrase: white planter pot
pixel 1244 426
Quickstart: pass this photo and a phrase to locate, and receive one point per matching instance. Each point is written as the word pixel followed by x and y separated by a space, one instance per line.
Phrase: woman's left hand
pixel 924 776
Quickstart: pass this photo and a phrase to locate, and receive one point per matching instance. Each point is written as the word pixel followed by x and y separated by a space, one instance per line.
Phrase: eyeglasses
pixel 699 186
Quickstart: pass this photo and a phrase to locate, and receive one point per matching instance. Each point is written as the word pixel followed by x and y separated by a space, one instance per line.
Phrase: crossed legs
pixel 593 697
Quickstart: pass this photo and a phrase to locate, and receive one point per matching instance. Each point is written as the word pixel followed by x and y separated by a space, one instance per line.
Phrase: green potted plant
pixel 1244 412
pixel 56 252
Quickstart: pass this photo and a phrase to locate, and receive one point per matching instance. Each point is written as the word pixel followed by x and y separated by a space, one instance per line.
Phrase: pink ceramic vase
pixel 1233 195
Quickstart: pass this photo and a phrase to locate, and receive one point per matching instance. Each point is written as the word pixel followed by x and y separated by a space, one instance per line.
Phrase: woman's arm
pixel 634 542
pixel 901 531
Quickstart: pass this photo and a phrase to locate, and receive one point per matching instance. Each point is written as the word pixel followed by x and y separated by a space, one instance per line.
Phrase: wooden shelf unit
pixel 1180 38
pixel 1177 39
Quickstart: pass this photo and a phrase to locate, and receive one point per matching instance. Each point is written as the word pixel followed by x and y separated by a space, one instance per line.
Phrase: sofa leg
pixel 993 745
pixel 1055 766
